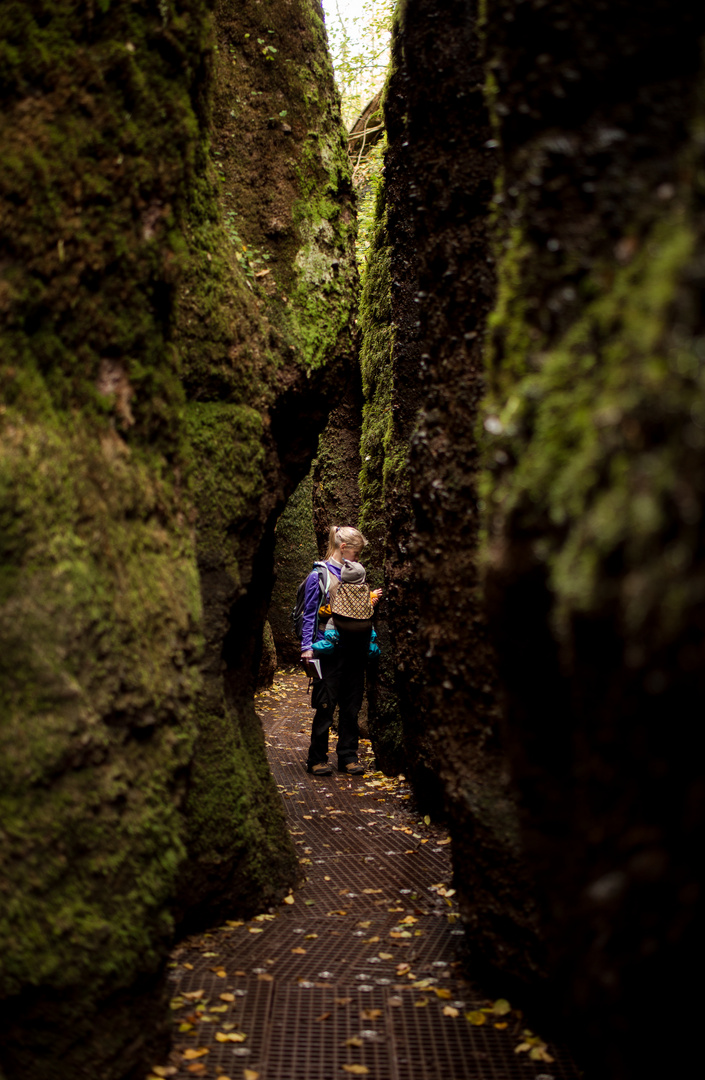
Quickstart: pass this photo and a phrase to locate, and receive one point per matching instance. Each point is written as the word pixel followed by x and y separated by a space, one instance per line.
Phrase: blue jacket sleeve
pixel 311 605
pixel 374 650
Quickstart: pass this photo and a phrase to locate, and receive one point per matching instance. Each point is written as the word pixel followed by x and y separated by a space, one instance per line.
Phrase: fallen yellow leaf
pixel 441 992
pixel 370 1014
pixel 289 899
pixel 230 1036
pixel 323 1016
pixel 343 1001
pixel 336 913
pixel 198 1069
pixel 501 1007
pixel 501 1026
pixel 227 997
pixel 299 952
pixel 189 967
pixel 310 937
pixel 421 1002
pixel 255 929
pixel 448 1010
pixel 355 1040
pixel 356 1070
pixel 189 1055
pixel 264 977
pixel 248 1074
pixel 476 1018
pixel 194 995
pixel 385 956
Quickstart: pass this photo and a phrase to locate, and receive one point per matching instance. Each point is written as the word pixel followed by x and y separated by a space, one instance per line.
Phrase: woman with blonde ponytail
pixel 342 680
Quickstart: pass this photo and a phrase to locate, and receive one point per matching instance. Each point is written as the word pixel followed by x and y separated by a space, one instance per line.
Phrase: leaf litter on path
pixel 352 831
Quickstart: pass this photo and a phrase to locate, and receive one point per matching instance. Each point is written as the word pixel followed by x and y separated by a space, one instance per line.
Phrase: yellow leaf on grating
pixel 299 952
pixel 370 892
pixel 241 973
pixel 189 1055
pixel 501 1007
pixel 356 1070
pixel 249 1074
pixel 370 1014
pixel 449 1010
pixel 323 1016
pixel 310 937
pixel 224 1077
pixel 421 1002
pixel 227 997
pixel 164 1070
pixel 476 1018
pixel 441 992
pixel 234 922
pixel 230 1036
pixel 408 920
pixel 354 1040
pixel 288 899
pixel 336 912
pixel 218 1008
pixel 371 940
pixel 501 1025
pixel 403 968
pixel 385 956
pixel 197 1069
pixel 265 977
pixel 255 929
pixel 185 1027
pixel 194 995
pixel 189 967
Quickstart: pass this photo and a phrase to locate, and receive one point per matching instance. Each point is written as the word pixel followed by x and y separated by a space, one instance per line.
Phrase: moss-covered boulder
pixel 163 385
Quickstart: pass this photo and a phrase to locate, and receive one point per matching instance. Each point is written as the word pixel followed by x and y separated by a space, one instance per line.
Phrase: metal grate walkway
pixel 358 976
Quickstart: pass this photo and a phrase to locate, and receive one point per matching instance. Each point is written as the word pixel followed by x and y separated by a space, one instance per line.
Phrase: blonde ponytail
pixel 347 535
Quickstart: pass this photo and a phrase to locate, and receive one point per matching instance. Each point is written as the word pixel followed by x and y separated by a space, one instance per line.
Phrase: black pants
pixel 342 684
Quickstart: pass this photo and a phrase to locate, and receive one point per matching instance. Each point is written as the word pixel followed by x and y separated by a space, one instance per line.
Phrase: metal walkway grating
pixel 359 976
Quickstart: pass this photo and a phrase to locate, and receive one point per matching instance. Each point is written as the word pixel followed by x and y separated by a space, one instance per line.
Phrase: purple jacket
pixel 311 605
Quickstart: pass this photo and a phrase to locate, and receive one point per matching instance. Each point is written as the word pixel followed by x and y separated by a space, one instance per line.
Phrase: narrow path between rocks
pixel 359 975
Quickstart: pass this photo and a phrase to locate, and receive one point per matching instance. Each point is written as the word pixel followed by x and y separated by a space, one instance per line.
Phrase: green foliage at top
pixel 359 39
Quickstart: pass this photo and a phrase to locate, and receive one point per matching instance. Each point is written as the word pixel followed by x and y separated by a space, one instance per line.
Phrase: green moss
pixel 377 382
pixel 586 437
pixel 95 564
pixel 294 554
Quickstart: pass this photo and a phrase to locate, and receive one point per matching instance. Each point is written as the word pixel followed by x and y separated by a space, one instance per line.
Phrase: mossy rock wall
pixel 160 401
pixel 594 496
pixel 427 291
pixel 295 552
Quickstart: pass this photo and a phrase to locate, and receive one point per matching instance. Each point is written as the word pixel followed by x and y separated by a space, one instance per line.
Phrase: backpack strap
pixel 324 579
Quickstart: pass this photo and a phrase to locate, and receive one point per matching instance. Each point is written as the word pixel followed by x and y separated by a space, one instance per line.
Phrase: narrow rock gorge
pixel 510 404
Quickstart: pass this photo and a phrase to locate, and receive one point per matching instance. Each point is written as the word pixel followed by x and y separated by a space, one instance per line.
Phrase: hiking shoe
pixel 352 768
pixel 322 769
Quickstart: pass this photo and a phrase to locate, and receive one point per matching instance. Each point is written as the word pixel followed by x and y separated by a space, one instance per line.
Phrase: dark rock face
pixel 552 234
pixel 595 485
pixel 163 388
pixel 428 290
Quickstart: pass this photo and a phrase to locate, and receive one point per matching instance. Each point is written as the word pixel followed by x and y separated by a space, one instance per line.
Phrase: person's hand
pixel 375 595
pixel 308 655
